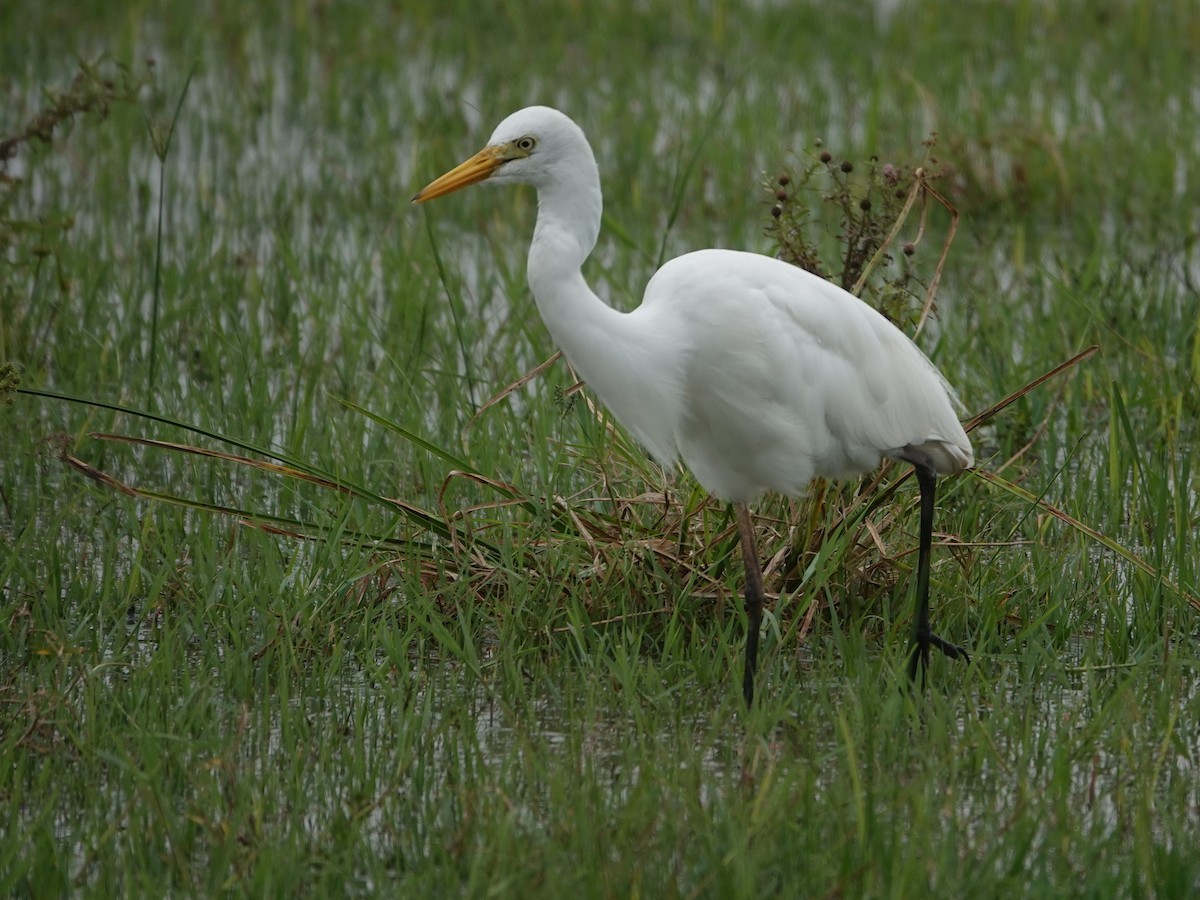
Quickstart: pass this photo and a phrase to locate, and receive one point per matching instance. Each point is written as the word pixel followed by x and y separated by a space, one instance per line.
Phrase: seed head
pixel 847 166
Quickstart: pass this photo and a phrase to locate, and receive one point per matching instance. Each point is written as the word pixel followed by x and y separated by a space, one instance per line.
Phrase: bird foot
pixel 951 650
pixel 919 658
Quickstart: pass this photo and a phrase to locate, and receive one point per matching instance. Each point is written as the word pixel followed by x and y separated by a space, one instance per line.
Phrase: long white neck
pixel 614 357
pixel 568 224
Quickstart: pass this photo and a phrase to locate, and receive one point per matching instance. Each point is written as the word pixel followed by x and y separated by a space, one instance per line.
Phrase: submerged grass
pixel 505 664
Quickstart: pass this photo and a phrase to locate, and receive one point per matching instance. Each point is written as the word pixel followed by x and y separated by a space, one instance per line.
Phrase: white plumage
pixel 757 374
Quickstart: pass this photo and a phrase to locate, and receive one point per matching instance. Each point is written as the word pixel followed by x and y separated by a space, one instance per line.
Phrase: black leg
pixel 754 599
pixel 923 637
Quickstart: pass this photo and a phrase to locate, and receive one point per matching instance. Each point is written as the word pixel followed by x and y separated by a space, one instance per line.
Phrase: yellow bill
pixel 473 171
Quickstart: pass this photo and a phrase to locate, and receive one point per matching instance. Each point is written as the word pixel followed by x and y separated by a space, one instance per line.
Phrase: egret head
pixel 536 145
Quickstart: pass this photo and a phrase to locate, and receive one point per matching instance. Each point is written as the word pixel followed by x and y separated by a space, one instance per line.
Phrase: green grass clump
pixel 287 605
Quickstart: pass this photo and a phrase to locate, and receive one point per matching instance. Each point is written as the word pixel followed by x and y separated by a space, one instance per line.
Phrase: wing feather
pixel 785 376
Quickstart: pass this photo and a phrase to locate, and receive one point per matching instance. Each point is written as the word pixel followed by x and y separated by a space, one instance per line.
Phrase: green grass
pixel 540 694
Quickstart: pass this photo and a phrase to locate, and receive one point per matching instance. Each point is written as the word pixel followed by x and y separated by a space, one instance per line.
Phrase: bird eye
pixel 526 144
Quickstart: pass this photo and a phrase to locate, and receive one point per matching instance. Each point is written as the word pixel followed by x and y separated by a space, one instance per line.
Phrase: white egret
pixel 758 374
